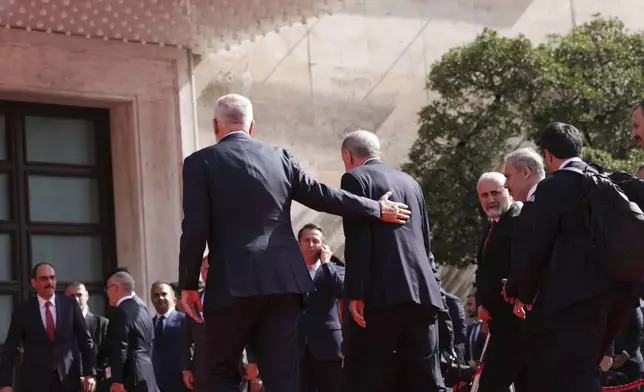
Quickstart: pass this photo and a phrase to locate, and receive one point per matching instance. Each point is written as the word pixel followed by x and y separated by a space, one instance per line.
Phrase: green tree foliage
pixel 497 92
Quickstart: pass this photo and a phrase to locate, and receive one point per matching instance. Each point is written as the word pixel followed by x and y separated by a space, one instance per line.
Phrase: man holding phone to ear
pixel 320 326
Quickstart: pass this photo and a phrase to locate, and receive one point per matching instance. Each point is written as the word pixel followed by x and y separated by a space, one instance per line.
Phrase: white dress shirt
pixel 120 301
pixel 567 161
pixel 43 309
pixel 166 316
pixel 313 269
pixel 532 191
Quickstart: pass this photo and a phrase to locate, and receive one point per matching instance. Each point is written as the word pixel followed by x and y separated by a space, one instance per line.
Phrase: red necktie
pixel 487 239
pixel 49 319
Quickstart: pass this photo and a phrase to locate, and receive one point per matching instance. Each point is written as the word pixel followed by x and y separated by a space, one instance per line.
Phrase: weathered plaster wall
pixel 148 91
pixel 366 66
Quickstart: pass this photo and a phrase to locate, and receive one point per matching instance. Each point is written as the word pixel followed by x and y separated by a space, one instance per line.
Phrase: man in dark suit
pixel 168 324
pixel 457 315
pixel 97 325
pixel 627 357
pixel 52 332
pixel 129 340
pixel 504 357
pixel 237 197
pixel 393 291
pixel 320 328
pixel 560 276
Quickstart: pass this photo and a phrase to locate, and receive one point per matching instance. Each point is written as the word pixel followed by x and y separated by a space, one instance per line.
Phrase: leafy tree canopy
pixel 497 93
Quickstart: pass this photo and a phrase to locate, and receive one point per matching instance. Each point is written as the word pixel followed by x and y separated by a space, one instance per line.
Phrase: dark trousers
pixel 269 325
pixel 504 361
pixel 565 352
pixel 55 385
pixel 319 376
pixel 398 350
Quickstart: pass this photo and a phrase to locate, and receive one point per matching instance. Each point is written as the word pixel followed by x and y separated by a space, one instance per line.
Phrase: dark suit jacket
pixel 97 326
pixel 237 197
pixel 475 342
pixel 40 353
pixel 495 265
pixel 166 354
pixel 552 249
pixel 320 327
pixel 630 338
pixel 389 264
pixel 457 315
pixel 130 335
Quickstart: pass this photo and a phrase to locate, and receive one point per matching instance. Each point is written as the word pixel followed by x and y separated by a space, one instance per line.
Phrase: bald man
pixel 393 290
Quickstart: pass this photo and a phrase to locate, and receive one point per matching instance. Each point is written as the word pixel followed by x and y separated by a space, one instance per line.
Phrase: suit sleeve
pixel 357 249
pixel 84 341
pixel 634 333
pixel 534 241
pixel 187 346
pixel 336 281
pixel 460 328
pixel 322 198
pixel 103 323
pixel 196 224
pixel 445 327
pixel 117 332
pixel 10 349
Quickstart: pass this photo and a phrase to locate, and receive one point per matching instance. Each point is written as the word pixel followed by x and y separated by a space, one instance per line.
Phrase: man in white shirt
pixel 52 332
pixel 523 171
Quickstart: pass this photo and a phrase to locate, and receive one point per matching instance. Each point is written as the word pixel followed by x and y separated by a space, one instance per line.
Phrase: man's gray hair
pixel 125 280
pixel 528 157
pixel 492 176
pixel 362 144
pixel 234 109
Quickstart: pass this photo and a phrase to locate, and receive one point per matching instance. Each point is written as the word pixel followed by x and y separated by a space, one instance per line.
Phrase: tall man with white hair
pixel 504 357
pixel 393 290
pixel 523 171
pixel 237 198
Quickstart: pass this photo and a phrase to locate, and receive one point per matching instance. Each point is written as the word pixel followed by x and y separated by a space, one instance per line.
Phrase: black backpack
pixel 616 226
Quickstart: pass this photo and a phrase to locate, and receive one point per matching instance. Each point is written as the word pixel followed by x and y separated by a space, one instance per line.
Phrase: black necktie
pixel 158 332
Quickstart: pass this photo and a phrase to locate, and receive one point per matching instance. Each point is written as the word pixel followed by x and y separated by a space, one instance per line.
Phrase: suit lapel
pixel 60 316
pixel 36 311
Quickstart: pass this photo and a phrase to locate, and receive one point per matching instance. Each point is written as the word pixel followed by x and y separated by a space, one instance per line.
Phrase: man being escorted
pixel 394 294
pixel 237 198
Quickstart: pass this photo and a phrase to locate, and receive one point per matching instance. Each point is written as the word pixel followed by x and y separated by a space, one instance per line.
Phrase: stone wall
pixel 366 66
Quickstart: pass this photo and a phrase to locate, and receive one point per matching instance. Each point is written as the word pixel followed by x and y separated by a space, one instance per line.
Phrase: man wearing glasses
pixel 50 328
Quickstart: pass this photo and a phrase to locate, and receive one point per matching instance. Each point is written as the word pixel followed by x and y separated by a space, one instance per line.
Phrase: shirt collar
pixel 232 133
pixel 532 191
pixel 368 160
pixel 42 301
pixel 120 301
pixel 167 314
pixel 567 161
pixel 85 313
pixel 315 266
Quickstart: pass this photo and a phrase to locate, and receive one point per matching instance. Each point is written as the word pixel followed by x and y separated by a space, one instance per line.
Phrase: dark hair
pixel 562 140
pixel 35 269
pixel 309 226
pixel 640 106
pixel 160 282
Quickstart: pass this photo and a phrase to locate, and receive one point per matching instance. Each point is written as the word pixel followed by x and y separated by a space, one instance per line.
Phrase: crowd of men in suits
pixel 278 312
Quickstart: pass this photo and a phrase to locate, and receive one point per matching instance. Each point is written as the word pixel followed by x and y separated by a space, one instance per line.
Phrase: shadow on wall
pixel 287 117
pixel 496 14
